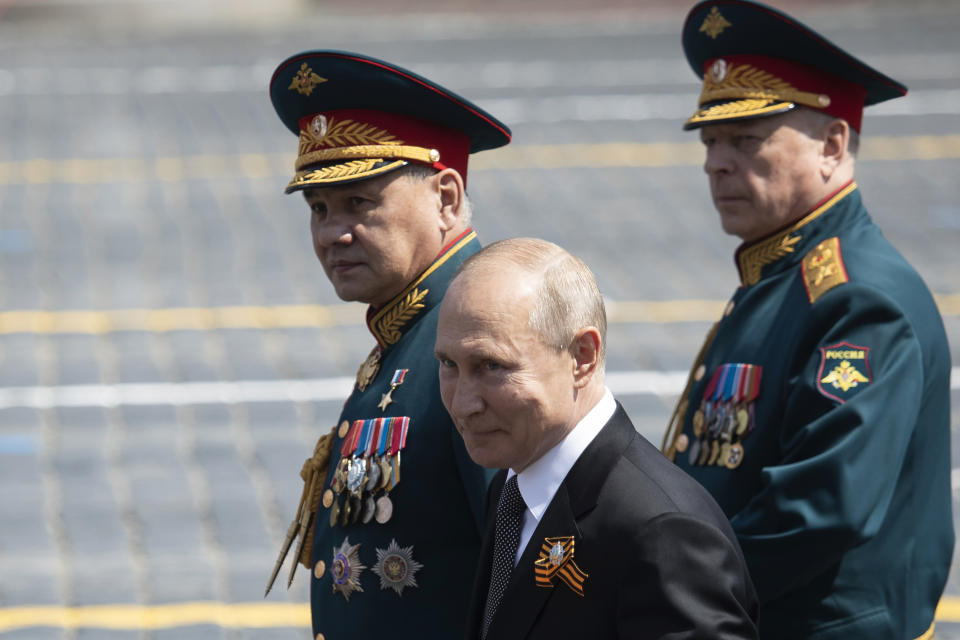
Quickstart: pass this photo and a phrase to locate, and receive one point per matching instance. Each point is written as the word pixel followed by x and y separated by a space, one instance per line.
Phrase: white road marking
pixel 622 383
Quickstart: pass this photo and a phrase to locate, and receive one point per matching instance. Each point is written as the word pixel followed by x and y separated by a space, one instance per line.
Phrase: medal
pixel 714 452
pixel 369 508
pixel 345 512
pixel 386 472
pixel 368 370
pixel 356 475
pixel 398 439
pixel 373 476
pixel 694 452
pixel 724 452
pixel 345 569
pixel 395 382
pixel 698 423
pixel 704 453
pixel 355 508
pixel 396 567
pixel 734 456
pixel 384 509
pixel 334 513
pixel 743 420
pixel 383 443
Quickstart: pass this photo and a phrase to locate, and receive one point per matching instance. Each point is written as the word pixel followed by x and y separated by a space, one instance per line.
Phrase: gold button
pixel 327 498
pixel 344 427
pixel 729 308
pixel 320 636
pixel 319 569
pixel 700 372
pixel 682 443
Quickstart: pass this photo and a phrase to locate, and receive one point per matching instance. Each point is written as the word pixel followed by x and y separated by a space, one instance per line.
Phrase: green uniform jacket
pixel 829 446
pixel 371 582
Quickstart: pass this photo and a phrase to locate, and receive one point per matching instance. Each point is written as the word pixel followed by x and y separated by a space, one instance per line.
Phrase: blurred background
pixel 169 347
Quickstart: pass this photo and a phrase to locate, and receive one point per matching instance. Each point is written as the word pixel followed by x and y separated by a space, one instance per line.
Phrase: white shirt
pixel 539 482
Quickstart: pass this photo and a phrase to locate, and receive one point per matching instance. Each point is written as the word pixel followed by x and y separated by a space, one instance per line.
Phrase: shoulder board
pixel 823 269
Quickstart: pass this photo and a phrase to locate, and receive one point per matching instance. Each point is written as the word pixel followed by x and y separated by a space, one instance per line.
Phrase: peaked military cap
pixel 756 61
pixel 358 117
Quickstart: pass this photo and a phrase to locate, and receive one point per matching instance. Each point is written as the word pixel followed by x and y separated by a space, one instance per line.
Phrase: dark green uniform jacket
pixel 410 576
pixel 819 419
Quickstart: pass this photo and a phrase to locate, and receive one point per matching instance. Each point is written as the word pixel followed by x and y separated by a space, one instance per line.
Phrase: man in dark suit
pixel 591 532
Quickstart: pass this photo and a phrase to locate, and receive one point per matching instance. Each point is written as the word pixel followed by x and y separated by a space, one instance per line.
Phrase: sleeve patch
pixel 823 269
pixel 844 370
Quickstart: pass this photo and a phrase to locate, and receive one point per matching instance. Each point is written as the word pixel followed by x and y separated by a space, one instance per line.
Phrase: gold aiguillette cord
pixel 313 472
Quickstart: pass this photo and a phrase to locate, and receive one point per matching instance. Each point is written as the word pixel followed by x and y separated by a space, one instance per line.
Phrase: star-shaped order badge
pixel 396 567
pixel 556 562
pixel 346 569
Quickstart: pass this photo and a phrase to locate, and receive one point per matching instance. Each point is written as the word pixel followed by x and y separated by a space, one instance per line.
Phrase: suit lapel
pixel 523 599
pixel 577 495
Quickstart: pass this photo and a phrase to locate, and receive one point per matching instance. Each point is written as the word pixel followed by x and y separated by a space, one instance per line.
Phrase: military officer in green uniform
pixel 389 522
pixel 817 413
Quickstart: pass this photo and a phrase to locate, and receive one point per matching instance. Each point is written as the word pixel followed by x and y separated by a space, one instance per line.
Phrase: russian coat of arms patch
pixel 844 371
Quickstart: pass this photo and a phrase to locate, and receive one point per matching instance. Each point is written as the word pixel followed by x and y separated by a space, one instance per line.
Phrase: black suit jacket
pixel 661 559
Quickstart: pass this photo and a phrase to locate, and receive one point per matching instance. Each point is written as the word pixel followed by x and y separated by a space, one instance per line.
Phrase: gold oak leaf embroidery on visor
pixel 748 82
pixel 556 561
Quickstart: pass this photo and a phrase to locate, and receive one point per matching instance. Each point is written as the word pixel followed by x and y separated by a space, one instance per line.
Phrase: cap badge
pixel 396 567
pixel 319 126
pixel 556 562
pixel 714 24
pixel 305 80
pixel 718 71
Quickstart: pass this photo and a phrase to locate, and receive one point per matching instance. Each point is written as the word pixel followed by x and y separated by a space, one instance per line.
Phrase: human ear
pixel 450 189
pixel 585 349
pixel 835 138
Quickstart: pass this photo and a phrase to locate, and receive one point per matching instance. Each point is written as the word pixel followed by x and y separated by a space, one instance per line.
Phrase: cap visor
pixel 342 173
pixel 733 110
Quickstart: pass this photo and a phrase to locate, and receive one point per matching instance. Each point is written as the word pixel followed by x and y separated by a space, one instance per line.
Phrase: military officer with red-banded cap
pixel 818 411
pixel 389 521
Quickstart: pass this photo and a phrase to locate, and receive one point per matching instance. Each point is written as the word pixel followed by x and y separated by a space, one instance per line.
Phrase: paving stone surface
pixel 142 167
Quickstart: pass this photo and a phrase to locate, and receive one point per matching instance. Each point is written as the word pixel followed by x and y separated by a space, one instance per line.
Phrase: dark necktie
pixel 510 510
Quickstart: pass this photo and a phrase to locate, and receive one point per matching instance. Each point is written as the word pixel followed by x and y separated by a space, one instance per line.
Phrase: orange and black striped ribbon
pixel 552 565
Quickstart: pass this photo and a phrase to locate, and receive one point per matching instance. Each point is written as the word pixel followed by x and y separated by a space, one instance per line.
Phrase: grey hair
pixel 815 122
pixel 567 297
pixel 421 172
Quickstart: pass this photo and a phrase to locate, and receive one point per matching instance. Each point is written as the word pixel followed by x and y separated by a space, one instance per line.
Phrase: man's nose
pixel 332 230
pixel 718 160
pixel 466 399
